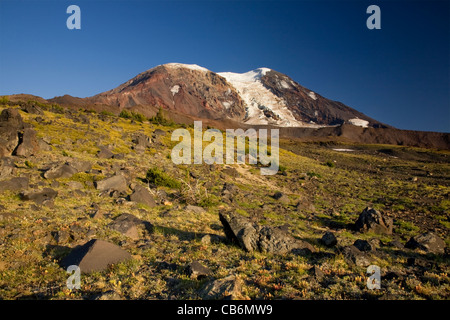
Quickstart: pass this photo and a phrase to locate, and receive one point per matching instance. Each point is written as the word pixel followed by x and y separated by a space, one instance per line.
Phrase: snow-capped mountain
pixel 259 97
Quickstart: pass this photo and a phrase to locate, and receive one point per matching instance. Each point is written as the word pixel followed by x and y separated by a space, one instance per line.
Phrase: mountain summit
pixel 259 97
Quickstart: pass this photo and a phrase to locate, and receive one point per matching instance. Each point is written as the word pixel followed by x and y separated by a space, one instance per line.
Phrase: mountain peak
pixel 177 65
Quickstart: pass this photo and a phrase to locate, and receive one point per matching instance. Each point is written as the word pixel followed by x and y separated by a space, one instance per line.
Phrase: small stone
pixel 194 209
pixel 196 270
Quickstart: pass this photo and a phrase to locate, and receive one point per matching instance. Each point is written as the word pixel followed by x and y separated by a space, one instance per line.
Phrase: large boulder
pixel 117 183
pixel 428 242
pixel 251 236
pixel 16 137
pixel 28 143
pixel 10 124
pixel 373 221
pixel 64 170
pixel 95 255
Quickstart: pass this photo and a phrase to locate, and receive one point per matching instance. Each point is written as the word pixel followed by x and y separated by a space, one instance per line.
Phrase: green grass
pixel 158 177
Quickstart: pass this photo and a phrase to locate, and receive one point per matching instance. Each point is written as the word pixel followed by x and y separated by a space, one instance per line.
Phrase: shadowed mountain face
pixel 258 97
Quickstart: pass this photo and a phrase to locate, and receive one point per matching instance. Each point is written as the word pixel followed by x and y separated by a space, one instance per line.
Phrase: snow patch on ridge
pixel 359 122
pixel 312 95
pixel 187 66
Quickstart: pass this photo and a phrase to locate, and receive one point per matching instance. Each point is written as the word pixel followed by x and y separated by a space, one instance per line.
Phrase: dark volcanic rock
pixel 428 242
pixel 363 245
pixel 251 236
pixel 142 195
pixel 372 220
pixel 329 239
pixel 95 255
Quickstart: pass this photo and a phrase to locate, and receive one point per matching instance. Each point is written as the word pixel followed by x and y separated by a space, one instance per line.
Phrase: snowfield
pixel 258 98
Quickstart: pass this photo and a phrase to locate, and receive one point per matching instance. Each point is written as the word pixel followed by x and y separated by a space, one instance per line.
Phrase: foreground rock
pixel 95 255
pixel 143 196
pixel 428 242
pixel 228 288
pixel 251 236
pixel 373 221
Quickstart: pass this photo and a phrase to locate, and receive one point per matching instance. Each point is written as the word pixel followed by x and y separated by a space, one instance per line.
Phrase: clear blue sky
pixel 398 75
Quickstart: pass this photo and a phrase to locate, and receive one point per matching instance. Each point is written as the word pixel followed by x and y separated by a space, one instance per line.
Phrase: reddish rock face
pixel 195 92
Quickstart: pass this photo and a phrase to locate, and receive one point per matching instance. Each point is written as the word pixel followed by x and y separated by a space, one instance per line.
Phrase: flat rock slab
pixel 14 184
pixel 428 242
pixel 39 197
pixel 117 183
pixel 251 236
pixel 95 255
